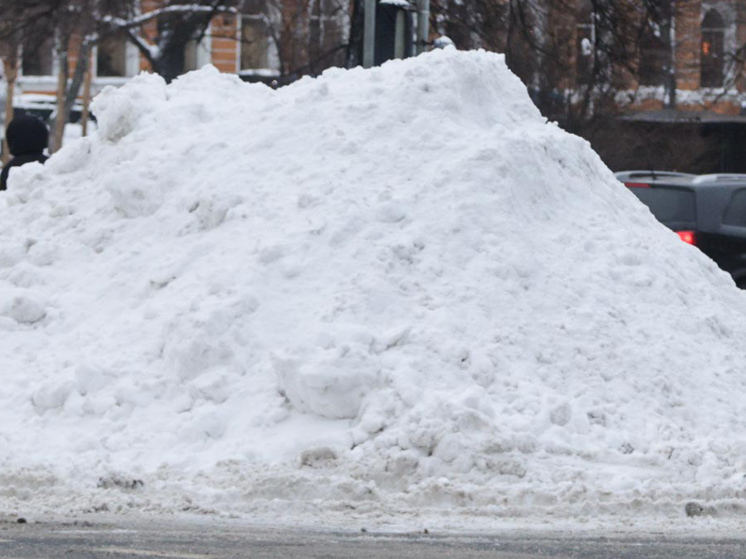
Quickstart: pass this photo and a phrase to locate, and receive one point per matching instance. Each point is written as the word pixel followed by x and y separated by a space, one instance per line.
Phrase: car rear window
pixel 735 213
pixel 669 205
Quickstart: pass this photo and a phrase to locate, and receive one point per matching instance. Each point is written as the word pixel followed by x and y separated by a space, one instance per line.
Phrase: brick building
pixel 260 41
pixel 683 70
pixel 705 39
pixel 269 38
pixel 678 101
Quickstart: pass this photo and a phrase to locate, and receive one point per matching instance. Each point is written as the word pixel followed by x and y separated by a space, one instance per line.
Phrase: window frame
pixel 714 30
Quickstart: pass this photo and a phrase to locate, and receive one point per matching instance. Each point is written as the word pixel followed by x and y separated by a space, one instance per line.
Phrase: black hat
pixel 26 135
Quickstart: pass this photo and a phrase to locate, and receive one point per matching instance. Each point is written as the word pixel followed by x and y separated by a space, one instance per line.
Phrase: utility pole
pixel 671 77
pixel 423 25
pixel 369 34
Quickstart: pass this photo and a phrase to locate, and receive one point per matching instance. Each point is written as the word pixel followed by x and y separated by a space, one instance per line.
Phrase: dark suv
pixel 708 211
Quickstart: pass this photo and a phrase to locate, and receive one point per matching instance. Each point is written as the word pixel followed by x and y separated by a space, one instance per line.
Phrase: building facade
pixel 691 59
pixel 261 40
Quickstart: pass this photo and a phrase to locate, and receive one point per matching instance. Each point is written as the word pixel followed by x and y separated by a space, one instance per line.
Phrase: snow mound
pixel 394 290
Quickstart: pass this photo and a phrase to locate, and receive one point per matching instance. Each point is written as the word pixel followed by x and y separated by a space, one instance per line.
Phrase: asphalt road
pixel 216 541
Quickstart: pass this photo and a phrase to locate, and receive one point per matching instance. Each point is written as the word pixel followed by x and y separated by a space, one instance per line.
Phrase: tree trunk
pixel 79 76
pixel 86 99
pixel 11 74
pixel 171 61
pixel 59 119
pixel 170 65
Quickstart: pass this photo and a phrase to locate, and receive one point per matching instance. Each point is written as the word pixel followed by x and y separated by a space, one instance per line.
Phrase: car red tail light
pixel 688 237
pixel 637 184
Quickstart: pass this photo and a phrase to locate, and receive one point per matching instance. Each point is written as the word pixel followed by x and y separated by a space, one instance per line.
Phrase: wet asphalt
pixel 151 540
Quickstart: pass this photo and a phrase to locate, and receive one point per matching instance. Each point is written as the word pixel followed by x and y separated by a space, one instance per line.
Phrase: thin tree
pixel 20 22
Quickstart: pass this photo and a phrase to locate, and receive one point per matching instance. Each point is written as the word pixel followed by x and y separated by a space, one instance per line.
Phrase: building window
pixel 197 54
pixel 190 56
pixel 585 43
pixel 38 58
pixel 111 60
pixel 712 52
pixel 654 56
pixel 254 42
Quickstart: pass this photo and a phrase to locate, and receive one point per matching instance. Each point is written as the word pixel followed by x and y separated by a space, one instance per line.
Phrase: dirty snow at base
pixel 379 294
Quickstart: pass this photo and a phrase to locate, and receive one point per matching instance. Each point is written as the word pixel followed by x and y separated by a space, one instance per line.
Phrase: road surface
pixel 157 540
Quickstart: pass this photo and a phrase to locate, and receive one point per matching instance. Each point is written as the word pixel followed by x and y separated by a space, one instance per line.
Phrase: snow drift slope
pixel 389 288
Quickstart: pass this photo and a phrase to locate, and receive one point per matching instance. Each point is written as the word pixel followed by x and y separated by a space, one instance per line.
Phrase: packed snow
pixel 378 294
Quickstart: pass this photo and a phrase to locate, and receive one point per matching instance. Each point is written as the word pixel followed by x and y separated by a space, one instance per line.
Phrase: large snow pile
pixel 377 291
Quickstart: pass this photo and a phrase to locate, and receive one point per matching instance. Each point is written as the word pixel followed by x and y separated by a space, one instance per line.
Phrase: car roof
pixel 683 179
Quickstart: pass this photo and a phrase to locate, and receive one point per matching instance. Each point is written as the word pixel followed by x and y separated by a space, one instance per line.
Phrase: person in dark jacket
pixel 27 139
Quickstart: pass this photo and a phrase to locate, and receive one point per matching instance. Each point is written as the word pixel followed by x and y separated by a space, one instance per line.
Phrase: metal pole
pixel 400 34
pixel 369 35
pixel 671 81
pixel 423 23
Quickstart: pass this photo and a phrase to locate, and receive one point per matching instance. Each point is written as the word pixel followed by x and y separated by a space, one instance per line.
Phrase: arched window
pixel 654 55
pixel 38 57
pixel 585 42
pixel 712 55
pixel 254 49
pixel 111 59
